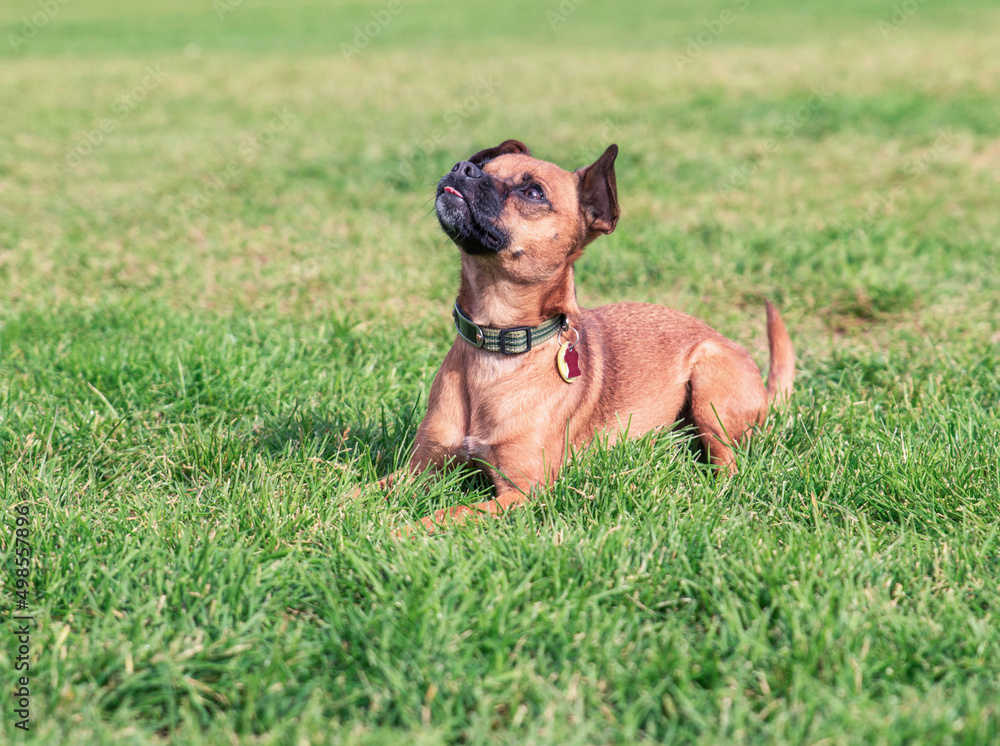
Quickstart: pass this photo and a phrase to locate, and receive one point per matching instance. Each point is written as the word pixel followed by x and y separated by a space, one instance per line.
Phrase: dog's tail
pixel 782 371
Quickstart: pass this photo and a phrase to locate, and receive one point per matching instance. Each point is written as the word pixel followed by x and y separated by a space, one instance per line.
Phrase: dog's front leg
pixel 513 487
pixel 439 436
pixel 419 463
pixel 510 498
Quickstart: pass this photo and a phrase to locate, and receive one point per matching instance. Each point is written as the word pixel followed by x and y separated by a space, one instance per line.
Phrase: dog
pixel 532 377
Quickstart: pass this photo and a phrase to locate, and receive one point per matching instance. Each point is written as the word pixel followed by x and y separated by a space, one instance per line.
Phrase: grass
pixel 223 317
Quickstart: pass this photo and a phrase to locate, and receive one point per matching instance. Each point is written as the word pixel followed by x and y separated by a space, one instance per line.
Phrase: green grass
pixel 224 317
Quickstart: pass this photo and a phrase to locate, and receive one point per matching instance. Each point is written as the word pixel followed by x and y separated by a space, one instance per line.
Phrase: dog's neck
pixel 491 299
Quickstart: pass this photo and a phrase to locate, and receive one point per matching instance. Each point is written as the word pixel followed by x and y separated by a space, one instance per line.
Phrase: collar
pixel 511 341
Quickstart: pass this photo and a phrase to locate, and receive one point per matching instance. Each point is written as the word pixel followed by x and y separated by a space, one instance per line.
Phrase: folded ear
pixel 599 193
pixel 507 146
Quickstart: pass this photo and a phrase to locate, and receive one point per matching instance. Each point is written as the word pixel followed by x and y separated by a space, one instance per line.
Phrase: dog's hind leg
pixel 728 398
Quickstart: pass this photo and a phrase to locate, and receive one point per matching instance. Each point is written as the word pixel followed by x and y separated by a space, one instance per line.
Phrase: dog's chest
pixel 498 386
pixel 508 396
pixel 473 448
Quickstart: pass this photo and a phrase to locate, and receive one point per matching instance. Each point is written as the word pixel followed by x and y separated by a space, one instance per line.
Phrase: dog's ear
pixel 599 193
pixel 504 148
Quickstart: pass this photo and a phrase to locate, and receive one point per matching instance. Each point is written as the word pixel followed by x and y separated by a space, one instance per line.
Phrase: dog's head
pixel 529 216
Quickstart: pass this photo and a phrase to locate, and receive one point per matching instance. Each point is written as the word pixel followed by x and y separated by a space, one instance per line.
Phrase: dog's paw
pixel 384 485
pixel 439 520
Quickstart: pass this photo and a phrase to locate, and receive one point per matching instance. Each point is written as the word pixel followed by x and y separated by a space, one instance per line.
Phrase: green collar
pixel 511 341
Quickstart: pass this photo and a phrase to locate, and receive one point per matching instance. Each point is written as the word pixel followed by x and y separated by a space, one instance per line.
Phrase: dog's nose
pixel 467 169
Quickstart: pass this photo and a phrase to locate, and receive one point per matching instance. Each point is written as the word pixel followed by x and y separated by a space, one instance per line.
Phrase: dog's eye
pixel 534 193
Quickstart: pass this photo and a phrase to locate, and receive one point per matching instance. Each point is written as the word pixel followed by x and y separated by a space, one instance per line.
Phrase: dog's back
pixel 656 365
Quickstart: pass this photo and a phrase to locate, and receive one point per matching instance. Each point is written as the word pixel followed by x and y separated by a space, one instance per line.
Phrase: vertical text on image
pixel 21 622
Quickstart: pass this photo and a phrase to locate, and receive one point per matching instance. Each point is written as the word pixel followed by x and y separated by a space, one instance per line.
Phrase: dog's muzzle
pixel 469 207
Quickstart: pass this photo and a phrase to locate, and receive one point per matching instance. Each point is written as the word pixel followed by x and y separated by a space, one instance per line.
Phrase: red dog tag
pixel 568 362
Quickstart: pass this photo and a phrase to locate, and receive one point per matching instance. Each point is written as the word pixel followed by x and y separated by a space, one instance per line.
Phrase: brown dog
pixel 533 376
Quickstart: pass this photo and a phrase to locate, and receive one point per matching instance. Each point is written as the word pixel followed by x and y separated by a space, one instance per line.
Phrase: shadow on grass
pixel 373 447
pixel 379 441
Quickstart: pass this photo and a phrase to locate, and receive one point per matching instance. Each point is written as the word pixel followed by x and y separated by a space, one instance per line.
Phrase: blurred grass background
pixel 223 296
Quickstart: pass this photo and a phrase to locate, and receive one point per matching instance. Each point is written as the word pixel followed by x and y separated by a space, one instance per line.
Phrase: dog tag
pixel 568 362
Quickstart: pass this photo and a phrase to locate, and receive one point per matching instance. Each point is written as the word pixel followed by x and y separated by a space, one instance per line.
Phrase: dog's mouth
pixel 465 217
